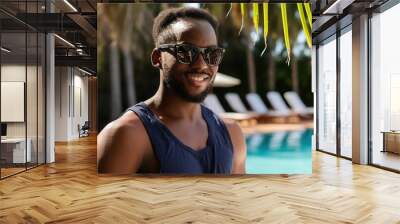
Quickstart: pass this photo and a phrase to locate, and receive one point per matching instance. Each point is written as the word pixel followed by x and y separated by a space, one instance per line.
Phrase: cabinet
pixel 391 141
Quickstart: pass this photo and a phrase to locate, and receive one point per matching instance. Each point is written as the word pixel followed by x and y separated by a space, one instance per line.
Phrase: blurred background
pixel 125 74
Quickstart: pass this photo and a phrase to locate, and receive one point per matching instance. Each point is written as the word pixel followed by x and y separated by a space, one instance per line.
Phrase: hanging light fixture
pixel 337 7
pixel 84 71
pixel 5 50
pixel 70 5
pixel 65 41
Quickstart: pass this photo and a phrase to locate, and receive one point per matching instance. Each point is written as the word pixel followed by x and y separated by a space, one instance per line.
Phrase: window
pixel 22 92
pixel 346 92
pixel 327 96
pixel 385 88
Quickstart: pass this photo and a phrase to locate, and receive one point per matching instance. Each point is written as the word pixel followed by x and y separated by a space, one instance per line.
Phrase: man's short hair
pixel 162 32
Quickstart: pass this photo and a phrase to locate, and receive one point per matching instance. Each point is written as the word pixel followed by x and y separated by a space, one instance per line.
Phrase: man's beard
pixel 179 88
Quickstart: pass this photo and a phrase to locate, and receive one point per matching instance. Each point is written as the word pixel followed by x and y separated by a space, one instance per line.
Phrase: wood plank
pixel 70 191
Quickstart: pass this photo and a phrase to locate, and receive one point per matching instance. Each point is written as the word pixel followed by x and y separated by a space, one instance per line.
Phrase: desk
pixel 13 150
pixel 391 141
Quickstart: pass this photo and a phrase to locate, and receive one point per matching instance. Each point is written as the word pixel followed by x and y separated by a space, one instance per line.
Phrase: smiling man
pixel 172 132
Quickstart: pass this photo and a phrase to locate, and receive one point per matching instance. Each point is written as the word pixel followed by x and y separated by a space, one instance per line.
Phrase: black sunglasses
pixel 187 54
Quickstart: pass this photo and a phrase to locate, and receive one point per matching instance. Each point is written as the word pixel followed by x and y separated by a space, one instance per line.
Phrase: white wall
pixel 33 126
pixel 61 103
pixel 80 84
pixel 71 93
pixel 16 73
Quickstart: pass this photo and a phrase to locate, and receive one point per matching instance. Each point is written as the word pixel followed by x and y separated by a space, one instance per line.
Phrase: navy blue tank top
pixel 176 157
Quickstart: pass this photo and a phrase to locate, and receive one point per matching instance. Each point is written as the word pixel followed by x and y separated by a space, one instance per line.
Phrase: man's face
pixel 192 82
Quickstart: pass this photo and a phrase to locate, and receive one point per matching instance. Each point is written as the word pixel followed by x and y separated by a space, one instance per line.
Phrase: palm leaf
pixel 309 14
pixel 230 9
pixel 255 16
pixel 265 30
pixel 242 11
pixel 304 23
pixel 285 30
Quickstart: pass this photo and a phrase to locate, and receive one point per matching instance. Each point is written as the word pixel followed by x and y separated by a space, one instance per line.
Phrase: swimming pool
pixel 281 152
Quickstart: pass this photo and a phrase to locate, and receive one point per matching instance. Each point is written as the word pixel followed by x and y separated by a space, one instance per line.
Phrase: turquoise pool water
pixel 282 152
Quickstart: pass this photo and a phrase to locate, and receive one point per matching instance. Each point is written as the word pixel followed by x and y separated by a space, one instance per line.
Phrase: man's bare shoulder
pixel 121 141
pixel 232 126
pixel 236 134
pixel 128 122
pixel 239 146
pixel 127 130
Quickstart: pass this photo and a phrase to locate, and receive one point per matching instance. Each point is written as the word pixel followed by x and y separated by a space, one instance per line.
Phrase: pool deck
pixel 265 128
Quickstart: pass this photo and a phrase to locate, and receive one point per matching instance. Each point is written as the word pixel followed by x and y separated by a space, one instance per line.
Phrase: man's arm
pixel 121 145
pixel 239 147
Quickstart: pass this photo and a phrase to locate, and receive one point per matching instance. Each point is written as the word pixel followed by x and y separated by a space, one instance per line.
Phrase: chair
pixel 297 104
pixel 212 102
pixel 280 106
pixel 257 105
pixel 262 113
pixel 278 103
pixel 236 103
pixel 84 130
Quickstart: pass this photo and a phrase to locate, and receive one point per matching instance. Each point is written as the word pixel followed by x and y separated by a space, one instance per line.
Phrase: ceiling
pixel 73 20
pixel 330 15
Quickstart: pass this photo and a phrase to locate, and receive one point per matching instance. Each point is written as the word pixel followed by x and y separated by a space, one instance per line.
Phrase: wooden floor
pixel 70 191
pixel 388 159
pixel 10 171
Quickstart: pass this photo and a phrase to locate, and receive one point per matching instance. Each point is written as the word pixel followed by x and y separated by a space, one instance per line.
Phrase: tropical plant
pixel 288 38
pixel 115 26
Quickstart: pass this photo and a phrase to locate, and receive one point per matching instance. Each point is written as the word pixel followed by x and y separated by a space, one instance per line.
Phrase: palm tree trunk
pixel 115 79
pixel 294 73
pixel 271 71
pixel 128 59
pixel 251 70
pixel 129 77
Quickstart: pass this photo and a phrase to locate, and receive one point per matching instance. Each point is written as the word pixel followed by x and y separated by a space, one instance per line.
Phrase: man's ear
pixel 156 58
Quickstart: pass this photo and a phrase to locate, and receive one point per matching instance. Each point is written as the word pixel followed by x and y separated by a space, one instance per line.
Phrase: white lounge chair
pixel 235 103
pixel 263 115
pixel 213 103
pixel 257 105
pixel 278 103
pixel 297 104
